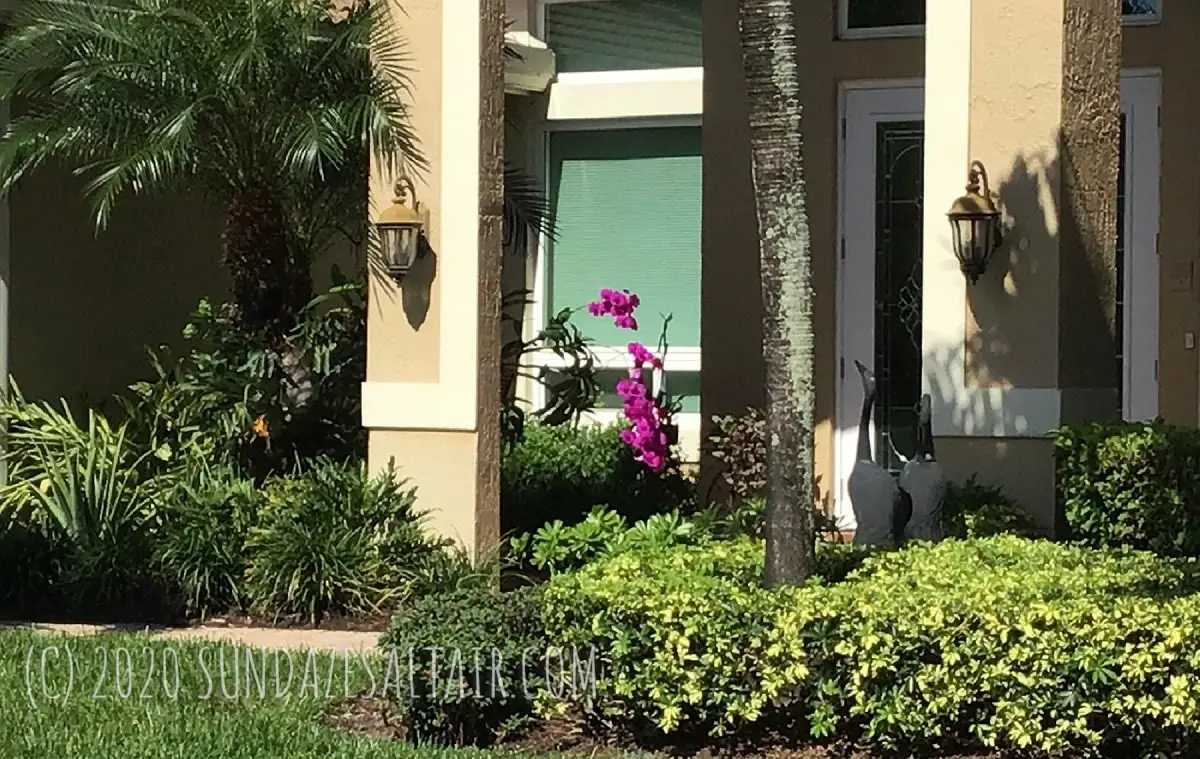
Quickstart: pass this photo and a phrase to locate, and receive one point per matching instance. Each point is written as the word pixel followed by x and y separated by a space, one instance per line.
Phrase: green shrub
pixel 465 699
pixel 562 472
pixel 557 547
pixel 1000 642
pixel 200 548
pixel 333 539
pixel 31 570
pixel 687 633
pixel 739 444
pixel 89 491
pixel 975 510
pixel 233 395
pixel 1131 484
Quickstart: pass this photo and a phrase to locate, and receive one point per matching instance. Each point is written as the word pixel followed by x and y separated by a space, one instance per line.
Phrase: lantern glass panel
pixel 399 246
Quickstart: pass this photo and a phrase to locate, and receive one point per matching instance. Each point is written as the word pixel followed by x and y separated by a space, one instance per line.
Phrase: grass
pixel 149 712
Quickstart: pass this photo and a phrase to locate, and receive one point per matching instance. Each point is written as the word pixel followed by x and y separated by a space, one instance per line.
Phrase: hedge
pixel 1000 643
pixel 1131 484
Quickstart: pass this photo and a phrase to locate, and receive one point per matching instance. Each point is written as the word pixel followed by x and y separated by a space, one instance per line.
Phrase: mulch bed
pixel 378 717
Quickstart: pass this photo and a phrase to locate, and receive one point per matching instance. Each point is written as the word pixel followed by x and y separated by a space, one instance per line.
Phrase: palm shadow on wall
pixel 1012 322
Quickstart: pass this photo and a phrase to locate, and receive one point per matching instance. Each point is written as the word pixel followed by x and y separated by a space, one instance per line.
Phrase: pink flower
pixel 619 304
pixel 642 356
pixel 645 434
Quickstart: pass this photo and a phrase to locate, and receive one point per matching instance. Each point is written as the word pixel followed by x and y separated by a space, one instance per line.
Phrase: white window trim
pixel 680 358
pixel 918 30
pixel 612 358
pixel 637 93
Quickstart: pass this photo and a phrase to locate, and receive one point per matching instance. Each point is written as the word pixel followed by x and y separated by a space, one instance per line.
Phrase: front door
pixel 879 307
pixel 879 314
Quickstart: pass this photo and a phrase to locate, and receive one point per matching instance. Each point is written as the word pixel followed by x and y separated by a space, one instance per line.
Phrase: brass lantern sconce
pixel 975 224
pixel 401 227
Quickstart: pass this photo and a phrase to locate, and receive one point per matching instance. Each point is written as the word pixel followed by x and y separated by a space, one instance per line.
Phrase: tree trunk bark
pixel 271 284
pixel 491 261
pixel 769 56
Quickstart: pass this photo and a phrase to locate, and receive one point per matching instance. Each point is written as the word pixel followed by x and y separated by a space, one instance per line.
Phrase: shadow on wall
pixel 84 305
pixel 1040 290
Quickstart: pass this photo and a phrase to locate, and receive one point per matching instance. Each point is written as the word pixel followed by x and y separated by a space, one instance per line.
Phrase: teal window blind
pixel 624 35
pixel 627 202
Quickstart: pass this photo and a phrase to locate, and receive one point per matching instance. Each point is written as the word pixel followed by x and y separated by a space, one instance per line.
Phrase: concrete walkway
pixel 258 637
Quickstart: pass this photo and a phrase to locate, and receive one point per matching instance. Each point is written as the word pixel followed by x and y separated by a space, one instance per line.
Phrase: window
pixel 628 202
pixel 623 173
pixel 628 208
pixel 874 14
pixel 873 18
pixel 624 35
pixel 1141 11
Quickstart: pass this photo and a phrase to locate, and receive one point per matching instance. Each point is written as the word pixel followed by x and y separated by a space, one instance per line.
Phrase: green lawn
pixel 151 712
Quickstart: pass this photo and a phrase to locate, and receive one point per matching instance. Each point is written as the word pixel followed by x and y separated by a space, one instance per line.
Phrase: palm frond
pixel 230 95
pixel 527 210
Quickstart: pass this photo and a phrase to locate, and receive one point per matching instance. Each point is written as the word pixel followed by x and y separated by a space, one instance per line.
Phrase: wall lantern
pixel 975 222
pixel 401 227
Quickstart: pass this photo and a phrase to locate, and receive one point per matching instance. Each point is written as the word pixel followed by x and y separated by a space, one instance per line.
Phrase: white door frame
pixel 865 104
pixel 1140 100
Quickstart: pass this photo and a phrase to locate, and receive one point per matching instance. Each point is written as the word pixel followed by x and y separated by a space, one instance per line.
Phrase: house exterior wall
pixel 83 307
pixel 732 377
pixel 431 372
pixel 731 303
pixel 1170 47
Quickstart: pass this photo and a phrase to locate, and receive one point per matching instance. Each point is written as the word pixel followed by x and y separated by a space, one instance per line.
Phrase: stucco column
pixel 1032 89
pixel 430 400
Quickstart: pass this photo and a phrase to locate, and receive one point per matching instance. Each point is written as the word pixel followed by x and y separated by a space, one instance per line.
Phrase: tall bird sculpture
pixel 876 498
pixel 924 482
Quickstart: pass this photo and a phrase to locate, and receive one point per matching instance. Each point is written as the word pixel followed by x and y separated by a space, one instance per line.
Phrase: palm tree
pixel 272 107
pixel 768 37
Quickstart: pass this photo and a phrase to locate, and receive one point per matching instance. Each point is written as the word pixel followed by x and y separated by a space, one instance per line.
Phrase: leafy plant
pixel 31 569
pixel 570 390
pixel 974 510
pixel 229 396
pixel 739 443
pixel 1131 484
pixel 85 485
pixel 332 539
pixel 563 472
pixel 476 657
pixel 557 547
pixel 200 548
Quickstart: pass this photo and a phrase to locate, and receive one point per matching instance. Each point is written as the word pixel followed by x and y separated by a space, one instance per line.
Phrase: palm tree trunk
pixel 271 283
pixel 769 56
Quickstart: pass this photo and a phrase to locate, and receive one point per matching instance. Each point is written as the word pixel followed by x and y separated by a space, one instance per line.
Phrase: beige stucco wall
pixel 1011 340
pixel 732 376
pixel 84 306
pixel 731 310
pixel 425 407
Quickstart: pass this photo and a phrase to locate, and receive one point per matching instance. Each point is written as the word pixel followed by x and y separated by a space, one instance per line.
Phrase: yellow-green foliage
pixel 999 642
